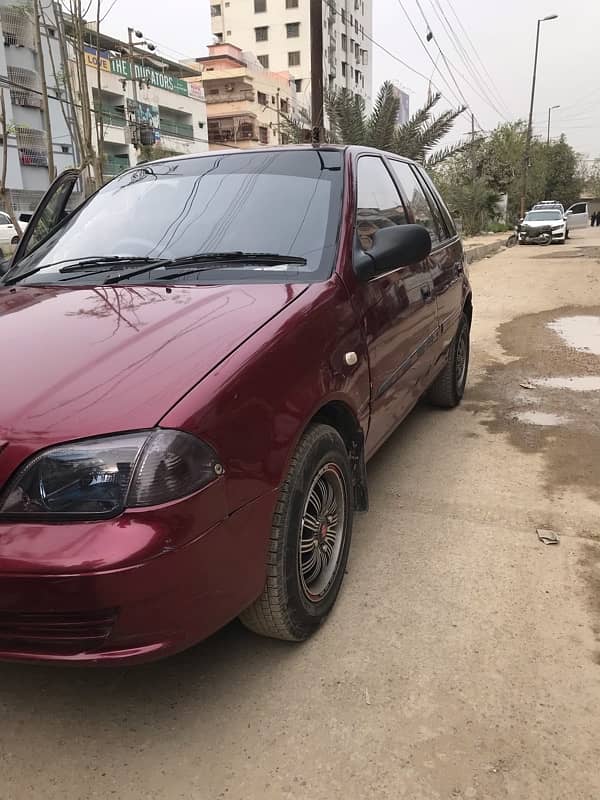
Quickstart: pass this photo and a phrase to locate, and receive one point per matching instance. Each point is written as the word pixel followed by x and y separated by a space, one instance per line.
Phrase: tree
pixel 350 124
pixel 563 179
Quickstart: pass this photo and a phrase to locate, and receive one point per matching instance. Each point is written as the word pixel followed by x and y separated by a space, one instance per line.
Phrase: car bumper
pixel 145 610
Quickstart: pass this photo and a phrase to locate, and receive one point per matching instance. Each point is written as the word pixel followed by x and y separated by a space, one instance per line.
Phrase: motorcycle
pixel 524 234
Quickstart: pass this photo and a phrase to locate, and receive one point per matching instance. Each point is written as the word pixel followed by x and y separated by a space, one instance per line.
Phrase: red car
pixel 197 363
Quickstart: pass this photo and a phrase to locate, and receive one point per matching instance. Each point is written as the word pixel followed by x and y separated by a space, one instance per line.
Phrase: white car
pixel 8 236
pixel 543 218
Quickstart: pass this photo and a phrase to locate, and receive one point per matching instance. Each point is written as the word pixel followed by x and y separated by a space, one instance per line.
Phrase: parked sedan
pixel 197 364
pixel 542 220
pixel 8 236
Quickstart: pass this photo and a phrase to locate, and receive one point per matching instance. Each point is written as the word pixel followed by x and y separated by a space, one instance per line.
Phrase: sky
pixel 502 33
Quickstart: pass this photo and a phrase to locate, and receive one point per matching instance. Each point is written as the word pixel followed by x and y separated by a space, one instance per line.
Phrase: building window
pixel 64 148
pixel 343 16
pixel 298 85
pixel 344 42
pixel 343 69
pixel 291 3
pixel 51 32
pixel 284 106
pixel 260 6
pixel 218 38
pixel 262 34
pixel 213 91
pixel 356 76
pixel 294 58
pixel 263 135
pixel 356 26
pixel 357 51
pixel 261 98
pixel 215 11
pixel 264 61
pixel 293 30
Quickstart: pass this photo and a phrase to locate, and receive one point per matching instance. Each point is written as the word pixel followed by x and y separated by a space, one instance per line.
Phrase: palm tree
pixel 350 124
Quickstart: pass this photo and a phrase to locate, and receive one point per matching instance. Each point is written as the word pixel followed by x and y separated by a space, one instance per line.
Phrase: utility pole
pixel 278 118
pixel 550 110
pixel 473 165
pixel 133 128
pixel 316 68
pixel 44 85
pixel 530 123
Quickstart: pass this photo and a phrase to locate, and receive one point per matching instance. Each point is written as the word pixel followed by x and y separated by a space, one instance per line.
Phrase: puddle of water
pixel 577 383
pixel 579 332
pixel 542 418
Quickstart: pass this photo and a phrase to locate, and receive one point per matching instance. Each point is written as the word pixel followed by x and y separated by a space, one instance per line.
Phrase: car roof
pixel 353 150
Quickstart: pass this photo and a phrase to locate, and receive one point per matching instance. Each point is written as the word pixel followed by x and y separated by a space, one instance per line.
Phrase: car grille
pixel 55 632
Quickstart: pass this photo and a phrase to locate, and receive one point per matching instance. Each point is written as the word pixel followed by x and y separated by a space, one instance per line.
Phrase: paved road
pixel 462 660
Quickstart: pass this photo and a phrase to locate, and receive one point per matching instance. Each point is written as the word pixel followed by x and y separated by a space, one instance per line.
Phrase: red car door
pixel 397 308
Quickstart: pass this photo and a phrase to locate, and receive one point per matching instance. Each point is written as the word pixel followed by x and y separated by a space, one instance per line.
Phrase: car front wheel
pixel 309 541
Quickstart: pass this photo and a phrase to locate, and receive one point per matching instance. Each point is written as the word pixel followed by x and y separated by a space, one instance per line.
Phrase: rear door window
pixel 579 208
pixel 447 216
pixel 424 208
pixel 379 204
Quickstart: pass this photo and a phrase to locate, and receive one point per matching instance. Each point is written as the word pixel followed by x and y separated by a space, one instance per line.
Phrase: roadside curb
pixel 484 250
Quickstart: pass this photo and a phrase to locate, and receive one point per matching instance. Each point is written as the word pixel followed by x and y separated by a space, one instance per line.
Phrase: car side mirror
pixel 568 212
pixel 393 247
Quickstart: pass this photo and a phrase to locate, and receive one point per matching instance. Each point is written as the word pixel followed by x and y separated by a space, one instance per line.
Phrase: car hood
pixel 86 361
pixel 544 223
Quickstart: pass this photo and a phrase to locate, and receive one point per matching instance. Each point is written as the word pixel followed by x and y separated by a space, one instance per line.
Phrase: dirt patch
pixel 538 415
pixel 570 252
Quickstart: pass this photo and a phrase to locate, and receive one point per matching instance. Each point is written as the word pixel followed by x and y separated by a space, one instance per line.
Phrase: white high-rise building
pixel 278 32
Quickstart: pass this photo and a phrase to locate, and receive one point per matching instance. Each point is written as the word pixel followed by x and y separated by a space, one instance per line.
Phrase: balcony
pixel 231 130
pixel 179 130
pixel 25 89
pixel 230 97
pixel 31 145
pixel 113 165
pixel 17 28
pixel 112 117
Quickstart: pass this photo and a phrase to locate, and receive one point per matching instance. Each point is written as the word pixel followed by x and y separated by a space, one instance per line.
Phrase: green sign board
pixel 122 67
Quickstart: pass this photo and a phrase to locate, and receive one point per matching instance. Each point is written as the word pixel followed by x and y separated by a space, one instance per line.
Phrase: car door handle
pixel 426 293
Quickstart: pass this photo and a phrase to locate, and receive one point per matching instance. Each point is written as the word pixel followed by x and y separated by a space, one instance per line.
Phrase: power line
pixel 475 51
pixel 442 54
pixel 397 58
pixel 452 68
pixel 7 83
pixel 462 53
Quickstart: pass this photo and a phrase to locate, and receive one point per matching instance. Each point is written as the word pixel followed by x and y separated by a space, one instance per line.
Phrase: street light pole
pixel 550 110
pixel 530 124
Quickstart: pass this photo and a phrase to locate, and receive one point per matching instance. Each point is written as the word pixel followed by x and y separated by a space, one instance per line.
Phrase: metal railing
pixel 181 130
pixel 229 97
pixel 113 165
pixel 112 117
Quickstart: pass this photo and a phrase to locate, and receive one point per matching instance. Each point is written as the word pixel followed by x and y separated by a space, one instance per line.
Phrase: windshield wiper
pixel 99 261
pixel 208 261
pixel 83 264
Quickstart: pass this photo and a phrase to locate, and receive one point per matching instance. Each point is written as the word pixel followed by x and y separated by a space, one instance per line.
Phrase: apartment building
pixel 278 31
pixel 246 104
pixel 21 56
pixel 146 100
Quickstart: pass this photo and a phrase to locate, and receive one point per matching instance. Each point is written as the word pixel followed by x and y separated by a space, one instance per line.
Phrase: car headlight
pixel 99 478
pixel 558 227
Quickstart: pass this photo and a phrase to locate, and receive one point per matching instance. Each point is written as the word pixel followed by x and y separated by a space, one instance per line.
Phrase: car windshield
pixel 281 203
pixel 540 216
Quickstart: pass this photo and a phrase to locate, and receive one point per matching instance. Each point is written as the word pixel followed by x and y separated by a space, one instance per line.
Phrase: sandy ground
pixel 461 660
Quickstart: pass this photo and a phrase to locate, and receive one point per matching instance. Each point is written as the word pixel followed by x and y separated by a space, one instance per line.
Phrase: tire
pixel 449 387
pixel 294 603
pixel 546 241
pixel 512 240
